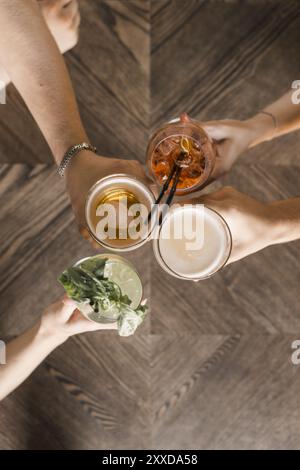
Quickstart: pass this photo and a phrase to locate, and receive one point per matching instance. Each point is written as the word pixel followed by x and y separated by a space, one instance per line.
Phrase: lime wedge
pixel 126 278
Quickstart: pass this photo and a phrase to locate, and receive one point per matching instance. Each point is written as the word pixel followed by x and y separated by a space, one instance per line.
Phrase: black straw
pixel 162 192
pixel 172 191
pixel 176 170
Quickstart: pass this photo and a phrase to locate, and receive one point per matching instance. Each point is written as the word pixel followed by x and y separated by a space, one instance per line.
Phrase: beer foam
pixel 208 257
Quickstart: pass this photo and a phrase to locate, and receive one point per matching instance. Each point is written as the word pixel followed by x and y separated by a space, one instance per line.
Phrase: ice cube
pixel 167 146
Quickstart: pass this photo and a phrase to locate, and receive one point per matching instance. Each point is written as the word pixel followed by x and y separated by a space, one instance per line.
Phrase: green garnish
pixel 87 285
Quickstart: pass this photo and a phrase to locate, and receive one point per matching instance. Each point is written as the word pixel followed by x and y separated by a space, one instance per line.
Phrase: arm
pixel 255 225
pixel 233 137
pixel 31 58
pixel 63 19
pixel 286 116
pixel 60 321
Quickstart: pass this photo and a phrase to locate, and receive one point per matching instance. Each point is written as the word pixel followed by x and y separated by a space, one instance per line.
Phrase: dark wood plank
pixel 112 53
pixel 224 393
pixel 258 293
pixel 90 394
pixel 157 6
pixel 210 368
pixel 165 23
pixel 228 59
pixel 116 115
pixel 97 381
pixel 40 237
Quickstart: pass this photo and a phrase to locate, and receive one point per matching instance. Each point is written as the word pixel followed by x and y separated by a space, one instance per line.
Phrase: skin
pixel 232 137
pixel 63 19
pixel 49 94
pixel 254 225
pixel 85 171
pixel 33 35
pixel 59 322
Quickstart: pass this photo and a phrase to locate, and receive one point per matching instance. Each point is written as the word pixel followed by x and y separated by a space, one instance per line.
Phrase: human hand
pixel 233 137
pixel 253 224
pixel 83 172
pixel 58 322
pixel 63 319
pixel 63 19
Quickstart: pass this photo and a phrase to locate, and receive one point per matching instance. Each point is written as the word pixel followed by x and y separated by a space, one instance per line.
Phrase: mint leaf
pixel 86 284
pixel 130 319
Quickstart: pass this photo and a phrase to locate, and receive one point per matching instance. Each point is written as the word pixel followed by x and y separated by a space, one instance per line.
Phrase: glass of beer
pixel 164 149
pixel 116 212
pixel 193 242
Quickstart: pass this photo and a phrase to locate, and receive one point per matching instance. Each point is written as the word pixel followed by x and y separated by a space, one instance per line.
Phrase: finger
pixel 64 307
pixel 215 129
pixel 84 232
pixel 87 236
pixel 66 3
pixel 76 21
pixel 56 4
pixel 50 6
pixel 211 198
pixel 70 8
pixel 68 14
pixel 184 117
pixel 94 244
pixel 68 308
pixel 218 173
pixel 80 324
pixel 56 306
pixel 104 326
pixel 218 200
pixel 66 300
pixel 210 180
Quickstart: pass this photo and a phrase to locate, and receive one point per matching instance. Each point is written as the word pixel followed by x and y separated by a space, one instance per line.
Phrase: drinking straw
pixel 172 191
pixel 175 171
pixel 162 192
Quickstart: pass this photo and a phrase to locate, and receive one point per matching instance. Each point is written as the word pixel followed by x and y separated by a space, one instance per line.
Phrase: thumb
pixel 215 129
pixel 68 307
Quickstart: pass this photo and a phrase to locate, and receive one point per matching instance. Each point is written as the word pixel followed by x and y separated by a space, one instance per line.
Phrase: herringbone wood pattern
pixel 211 368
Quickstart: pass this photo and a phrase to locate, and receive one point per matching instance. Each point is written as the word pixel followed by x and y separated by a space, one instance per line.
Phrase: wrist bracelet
pixel 70 153
pixel 271 116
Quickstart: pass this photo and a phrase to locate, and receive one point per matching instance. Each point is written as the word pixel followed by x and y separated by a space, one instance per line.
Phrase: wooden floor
pixel 211 367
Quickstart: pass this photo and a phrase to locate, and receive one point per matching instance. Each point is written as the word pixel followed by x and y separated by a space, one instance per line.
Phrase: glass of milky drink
pixel 165 148
pixel 193 242
pixel 116 210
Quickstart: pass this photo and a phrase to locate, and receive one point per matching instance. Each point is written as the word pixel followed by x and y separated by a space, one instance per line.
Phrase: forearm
pixel 286 119
pixel 286 220
pixel 23 355
pixel 31 58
